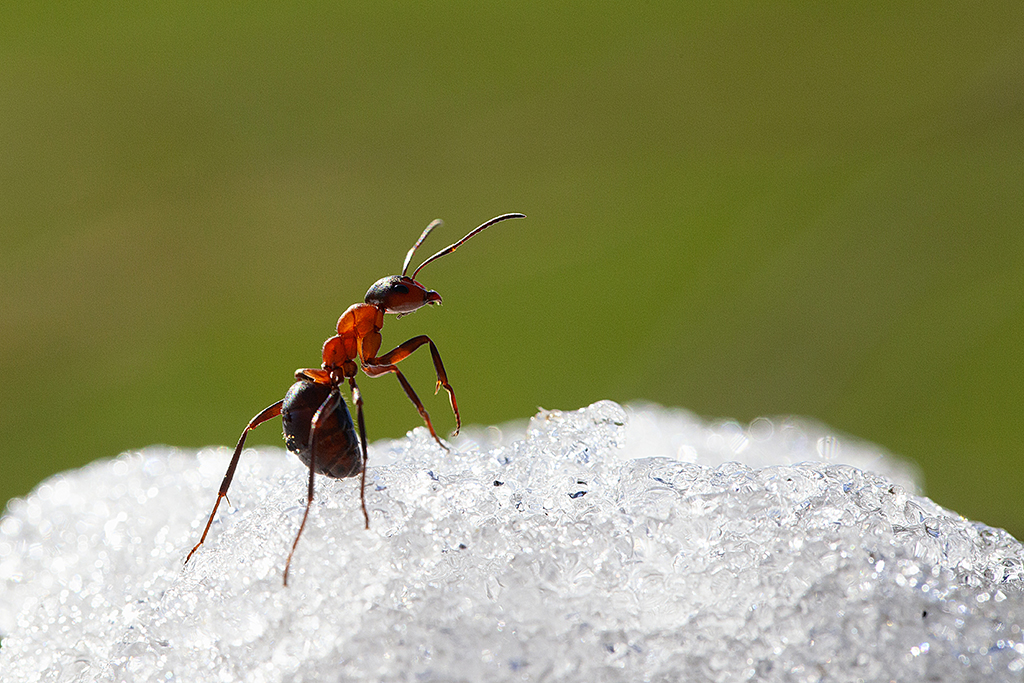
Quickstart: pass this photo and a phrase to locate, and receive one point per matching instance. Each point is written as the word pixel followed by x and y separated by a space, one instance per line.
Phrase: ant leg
pixel 330 404
pixel 378 370
pixel 404 350
pixel 267 413
pixel 357 398
pixel 313 375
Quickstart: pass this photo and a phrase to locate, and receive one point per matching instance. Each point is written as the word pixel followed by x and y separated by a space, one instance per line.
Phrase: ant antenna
pixel 426 231
pixel 452 247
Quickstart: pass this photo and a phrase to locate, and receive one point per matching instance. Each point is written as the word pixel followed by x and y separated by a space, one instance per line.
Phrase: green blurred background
pixel 739 209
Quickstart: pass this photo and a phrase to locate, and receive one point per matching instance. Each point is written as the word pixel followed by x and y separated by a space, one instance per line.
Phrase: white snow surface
pixel 605 544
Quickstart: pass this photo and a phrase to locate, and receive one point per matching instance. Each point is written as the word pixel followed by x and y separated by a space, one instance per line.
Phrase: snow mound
pixel 605 544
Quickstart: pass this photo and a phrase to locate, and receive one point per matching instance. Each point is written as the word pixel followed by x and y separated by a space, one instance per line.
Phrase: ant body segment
pixel 318 426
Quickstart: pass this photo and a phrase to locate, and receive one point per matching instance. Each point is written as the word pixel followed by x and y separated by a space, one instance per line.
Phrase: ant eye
pixel 401 289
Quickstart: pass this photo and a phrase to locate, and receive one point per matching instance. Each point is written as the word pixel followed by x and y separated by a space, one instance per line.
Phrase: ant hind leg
pixel 267 413
pixel 329 405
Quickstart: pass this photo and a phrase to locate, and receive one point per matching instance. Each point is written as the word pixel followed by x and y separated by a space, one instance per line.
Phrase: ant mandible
pixel 317 424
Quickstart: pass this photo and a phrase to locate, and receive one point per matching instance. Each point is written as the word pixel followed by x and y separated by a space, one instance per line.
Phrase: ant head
pixel 400 294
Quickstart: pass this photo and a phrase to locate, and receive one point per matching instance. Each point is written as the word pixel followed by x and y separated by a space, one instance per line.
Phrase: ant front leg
pixel 378 370
pixel 404 350
pixel 268 413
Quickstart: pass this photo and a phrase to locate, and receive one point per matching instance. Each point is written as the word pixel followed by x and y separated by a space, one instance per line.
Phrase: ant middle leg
pixel 357 399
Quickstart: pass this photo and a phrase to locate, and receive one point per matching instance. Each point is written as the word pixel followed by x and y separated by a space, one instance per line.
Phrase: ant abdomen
pixel 337 449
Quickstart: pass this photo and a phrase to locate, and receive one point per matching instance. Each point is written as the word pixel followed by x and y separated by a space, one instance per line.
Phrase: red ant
pixel 317 424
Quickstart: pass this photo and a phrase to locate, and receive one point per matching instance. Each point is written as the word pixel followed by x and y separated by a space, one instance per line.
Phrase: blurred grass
pixel 736 209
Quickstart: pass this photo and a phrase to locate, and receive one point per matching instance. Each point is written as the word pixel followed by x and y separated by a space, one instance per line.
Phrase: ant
pixel 317 424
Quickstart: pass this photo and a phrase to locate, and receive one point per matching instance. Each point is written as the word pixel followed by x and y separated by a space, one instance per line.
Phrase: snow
pixel 605 544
